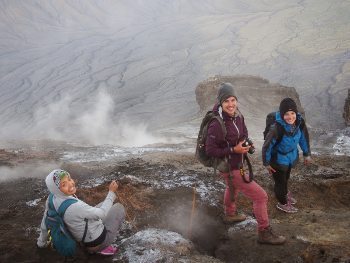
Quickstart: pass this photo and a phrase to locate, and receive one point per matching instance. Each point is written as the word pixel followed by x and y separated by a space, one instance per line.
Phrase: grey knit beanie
pixel 225 91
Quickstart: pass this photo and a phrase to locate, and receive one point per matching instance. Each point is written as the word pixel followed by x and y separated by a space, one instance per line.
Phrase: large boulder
pixel 256 96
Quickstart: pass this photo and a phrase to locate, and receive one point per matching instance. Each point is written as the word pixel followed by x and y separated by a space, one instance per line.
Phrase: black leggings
pixel 281 178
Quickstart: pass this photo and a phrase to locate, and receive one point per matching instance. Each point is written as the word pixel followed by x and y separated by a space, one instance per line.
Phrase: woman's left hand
pixel 270 169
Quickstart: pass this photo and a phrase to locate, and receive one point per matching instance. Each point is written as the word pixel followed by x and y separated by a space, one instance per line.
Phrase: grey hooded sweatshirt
pixel 75 214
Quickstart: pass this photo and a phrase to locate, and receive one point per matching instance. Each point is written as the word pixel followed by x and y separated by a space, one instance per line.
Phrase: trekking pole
pixel 192 212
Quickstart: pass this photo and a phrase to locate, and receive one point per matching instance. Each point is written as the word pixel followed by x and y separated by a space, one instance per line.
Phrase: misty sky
pixel 98 70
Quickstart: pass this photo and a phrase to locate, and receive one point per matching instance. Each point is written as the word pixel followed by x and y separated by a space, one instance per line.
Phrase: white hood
pixel 59 197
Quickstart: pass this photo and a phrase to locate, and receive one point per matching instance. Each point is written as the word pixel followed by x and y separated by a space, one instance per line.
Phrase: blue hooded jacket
pixel 286 153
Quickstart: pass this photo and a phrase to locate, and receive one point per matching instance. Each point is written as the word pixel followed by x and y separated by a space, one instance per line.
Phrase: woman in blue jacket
pixel 280 151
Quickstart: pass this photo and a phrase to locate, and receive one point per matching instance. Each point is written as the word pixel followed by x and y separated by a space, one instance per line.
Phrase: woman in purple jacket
pixel 232 149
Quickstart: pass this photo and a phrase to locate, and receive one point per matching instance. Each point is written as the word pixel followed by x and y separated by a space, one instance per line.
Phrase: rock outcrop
pixel 346 113
pixel 256 96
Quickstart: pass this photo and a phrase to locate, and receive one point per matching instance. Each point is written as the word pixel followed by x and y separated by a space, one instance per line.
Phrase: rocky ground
pixel 174 210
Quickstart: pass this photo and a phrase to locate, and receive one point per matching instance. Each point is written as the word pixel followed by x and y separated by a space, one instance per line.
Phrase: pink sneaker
pixel 108 251
pixel 291 199
pixel 288 208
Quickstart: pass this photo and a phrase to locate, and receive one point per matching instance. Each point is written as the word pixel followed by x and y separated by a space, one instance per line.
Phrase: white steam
pixel 97 127
pixel 33 170
pixel 60 120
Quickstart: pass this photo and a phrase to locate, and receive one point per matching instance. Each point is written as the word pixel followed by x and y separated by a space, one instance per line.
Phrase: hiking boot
pixel 291 199
pixel 234 218
pixel 108 251
pixel 288 208
pixel 267 236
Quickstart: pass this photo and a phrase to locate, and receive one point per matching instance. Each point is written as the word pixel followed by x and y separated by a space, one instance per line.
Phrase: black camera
pixel 248 142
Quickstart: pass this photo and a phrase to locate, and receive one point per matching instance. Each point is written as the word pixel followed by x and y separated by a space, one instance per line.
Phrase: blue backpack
pixel 60 236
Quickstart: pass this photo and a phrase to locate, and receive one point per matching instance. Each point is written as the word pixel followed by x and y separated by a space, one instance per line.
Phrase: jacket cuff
pixel 112 195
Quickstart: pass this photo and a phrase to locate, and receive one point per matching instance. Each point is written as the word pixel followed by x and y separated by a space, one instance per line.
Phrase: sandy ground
pixel 319 232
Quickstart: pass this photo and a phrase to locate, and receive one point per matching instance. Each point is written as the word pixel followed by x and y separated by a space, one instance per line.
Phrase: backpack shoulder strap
pixel 209 117
pixel 270 120
pixel 62 209
pixel 280 132
pixel 51 206
pixel 222 124
pixel 65 204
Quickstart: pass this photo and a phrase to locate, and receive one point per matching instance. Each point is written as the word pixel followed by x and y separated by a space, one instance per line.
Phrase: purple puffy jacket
pixel 217 145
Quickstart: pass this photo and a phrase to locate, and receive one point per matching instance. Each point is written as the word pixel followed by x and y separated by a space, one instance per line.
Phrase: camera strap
pixel 250 170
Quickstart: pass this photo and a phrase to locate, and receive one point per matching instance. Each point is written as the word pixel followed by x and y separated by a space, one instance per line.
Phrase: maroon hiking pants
pixel 251 190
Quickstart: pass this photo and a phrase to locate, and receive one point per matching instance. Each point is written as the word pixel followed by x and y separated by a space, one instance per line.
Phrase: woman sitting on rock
pixel 102 221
